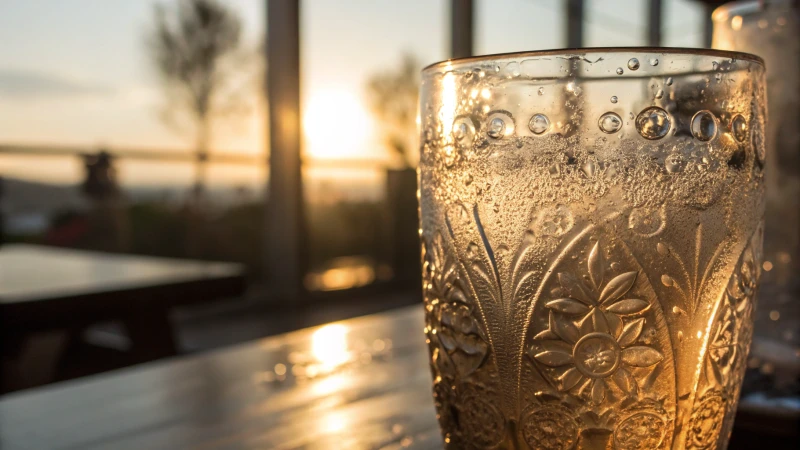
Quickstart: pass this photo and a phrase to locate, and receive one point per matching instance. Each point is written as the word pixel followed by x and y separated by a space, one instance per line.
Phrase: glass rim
pixel 591 50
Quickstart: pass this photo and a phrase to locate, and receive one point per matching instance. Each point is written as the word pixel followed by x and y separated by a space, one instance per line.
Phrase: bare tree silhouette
pixel 192 47
pixel 393 97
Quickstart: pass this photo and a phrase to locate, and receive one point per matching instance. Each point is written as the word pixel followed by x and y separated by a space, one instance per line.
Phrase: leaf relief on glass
pixel 711 420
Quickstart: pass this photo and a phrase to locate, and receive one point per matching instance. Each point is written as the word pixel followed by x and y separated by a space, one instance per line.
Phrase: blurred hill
pixel 27 197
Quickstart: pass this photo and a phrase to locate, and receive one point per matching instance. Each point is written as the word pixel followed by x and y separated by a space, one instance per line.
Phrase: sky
pixel 76 72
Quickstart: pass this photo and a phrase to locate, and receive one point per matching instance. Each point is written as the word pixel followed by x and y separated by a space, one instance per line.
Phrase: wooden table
pixel 46 288
pixel 358 384
pixel 370 389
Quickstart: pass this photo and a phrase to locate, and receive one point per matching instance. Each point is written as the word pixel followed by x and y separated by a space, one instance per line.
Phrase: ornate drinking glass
pixel 591 228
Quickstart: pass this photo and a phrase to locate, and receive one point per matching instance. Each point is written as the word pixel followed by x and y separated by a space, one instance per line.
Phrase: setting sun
pixel 337 125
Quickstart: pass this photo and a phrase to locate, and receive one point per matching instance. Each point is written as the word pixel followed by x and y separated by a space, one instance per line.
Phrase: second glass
pixel 591 229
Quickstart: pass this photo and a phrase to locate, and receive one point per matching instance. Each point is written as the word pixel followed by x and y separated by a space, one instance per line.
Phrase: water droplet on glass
pixel 472 251
pixel 653 123
pixel 467 179
pixel 659 93
pixel 633 64
pixel 630 115
pixel 703 126
pixel 614 99
pixel 757 140
pixel 674 163
pixel 739 128
pixel 714 65
pixel 541 91
pixel 589 168
pixel 667 280
pixel 539 123
pixel 619 71
pixel 497 128
pixel 555 170
pixel 610 122
pixel 662 249
pixel 459 131
pixel 496 207
pixel 653 62
pixel 450 155
pixel 738 159
pixel 669 81
pixel 680 335
pixel 463 130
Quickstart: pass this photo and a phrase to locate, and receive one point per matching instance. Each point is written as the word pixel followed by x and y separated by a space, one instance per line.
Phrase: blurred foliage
pixel 193 47
pixel 393 97
pixel 346 228
pixel 234 233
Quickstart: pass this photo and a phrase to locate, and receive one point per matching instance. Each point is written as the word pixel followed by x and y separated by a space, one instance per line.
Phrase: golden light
pixel 736 23
pixel 334 423
pixel 449 102
pixel 346 273
pixel 329 346
pixel 337 125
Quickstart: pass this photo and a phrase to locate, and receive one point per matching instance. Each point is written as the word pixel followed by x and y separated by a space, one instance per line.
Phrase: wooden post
pixel 708 28
pixel 461 28
pixel 574 16
pixel 286 244
pixel 654 23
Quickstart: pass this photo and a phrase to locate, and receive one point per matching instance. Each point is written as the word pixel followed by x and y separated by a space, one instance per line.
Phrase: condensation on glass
pixel 591 230
pixel 772 29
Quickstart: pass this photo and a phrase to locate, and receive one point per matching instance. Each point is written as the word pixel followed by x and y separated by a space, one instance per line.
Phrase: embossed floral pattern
pixel 602 347
pixel 723 349
pixel 598 357
pixel 643 426
pixel 550 428
pixel 461 337
pixel 450 318
pixel 441 283
pixel 743 283
pixel 459 348
pixel 604 304
pixel 724 364
pixel 706 422
pixel 481 423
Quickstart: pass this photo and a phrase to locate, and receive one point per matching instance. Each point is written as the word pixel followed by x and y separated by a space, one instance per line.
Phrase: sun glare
pixel 337 125
pixel 329 346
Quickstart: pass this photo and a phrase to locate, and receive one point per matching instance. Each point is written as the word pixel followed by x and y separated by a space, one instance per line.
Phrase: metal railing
pixel 178 155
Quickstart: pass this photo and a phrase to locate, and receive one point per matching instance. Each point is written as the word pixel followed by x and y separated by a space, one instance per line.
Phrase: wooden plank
pixel 225 399
pixel 47 287
pixel 31 273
